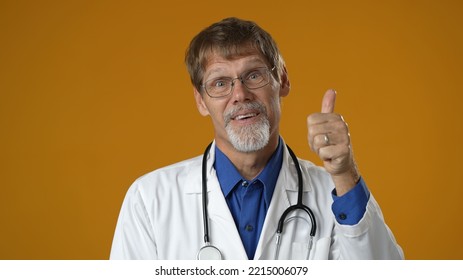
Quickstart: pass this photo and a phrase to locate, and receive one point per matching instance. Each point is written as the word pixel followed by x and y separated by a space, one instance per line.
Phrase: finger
pixel 329 139
pixel 323 140
pixel 318 141
pixel 335 158
pixel 328 101
pixel 333 125
pixel 327 153
pixel 318 118
pixel 334 155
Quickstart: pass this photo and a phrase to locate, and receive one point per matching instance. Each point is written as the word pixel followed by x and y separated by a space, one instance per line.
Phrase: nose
pixel 240 92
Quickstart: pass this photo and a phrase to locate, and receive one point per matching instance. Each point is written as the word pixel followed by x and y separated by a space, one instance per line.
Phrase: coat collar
pixel 287 177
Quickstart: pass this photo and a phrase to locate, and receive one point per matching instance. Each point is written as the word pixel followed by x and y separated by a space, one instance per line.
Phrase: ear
pixel 200 103
pixel 285 85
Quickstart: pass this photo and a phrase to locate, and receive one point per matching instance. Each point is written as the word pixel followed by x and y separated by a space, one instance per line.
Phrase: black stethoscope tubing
pixel 298 206
pixel 204 194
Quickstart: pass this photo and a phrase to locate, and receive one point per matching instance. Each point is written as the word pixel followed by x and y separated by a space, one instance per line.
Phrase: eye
pixel 254 75
pixel 219 83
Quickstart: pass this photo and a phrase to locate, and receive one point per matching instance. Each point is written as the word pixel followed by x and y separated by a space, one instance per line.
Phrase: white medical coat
pixel 161 218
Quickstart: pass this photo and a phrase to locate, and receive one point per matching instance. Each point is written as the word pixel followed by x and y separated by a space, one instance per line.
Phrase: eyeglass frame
pixel 240 77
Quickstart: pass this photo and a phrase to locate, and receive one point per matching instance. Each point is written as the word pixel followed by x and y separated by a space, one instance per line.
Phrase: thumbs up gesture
pixel 329 138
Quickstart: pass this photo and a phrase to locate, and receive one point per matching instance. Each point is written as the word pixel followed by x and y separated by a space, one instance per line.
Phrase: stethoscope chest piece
pixel 209 252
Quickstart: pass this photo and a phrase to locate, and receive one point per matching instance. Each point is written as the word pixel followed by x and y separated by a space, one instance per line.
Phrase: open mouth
pixel 245 116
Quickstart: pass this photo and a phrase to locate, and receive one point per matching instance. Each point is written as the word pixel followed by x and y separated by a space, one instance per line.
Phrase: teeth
pixel 240 117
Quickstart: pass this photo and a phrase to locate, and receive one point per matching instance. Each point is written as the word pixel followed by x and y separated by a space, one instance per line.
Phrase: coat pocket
pixel 321 249
pixel 299 251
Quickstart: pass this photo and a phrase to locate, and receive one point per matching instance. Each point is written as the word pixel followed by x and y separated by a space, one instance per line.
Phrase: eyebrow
pixel 251 61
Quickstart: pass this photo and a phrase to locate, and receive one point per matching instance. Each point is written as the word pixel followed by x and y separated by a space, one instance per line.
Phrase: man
pixel 250 179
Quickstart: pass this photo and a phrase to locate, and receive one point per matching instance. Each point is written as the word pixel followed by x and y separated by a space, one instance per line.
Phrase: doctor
pixel 250 178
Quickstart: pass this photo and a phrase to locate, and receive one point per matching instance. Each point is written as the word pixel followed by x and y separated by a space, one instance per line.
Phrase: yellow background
pixel 94 94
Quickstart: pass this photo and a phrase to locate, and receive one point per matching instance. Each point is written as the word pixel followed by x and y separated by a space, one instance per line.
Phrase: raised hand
pixel 329 138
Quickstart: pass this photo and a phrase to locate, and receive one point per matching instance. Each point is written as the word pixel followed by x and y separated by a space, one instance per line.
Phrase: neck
pixel 249 165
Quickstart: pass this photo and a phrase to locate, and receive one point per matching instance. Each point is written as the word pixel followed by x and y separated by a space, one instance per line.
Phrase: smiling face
pixel 246 120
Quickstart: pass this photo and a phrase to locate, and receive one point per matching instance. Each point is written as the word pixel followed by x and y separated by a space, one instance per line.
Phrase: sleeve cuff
pixel 349 208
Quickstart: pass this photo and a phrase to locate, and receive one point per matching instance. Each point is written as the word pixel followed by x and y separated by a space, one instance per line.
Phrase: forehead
pixel 216 60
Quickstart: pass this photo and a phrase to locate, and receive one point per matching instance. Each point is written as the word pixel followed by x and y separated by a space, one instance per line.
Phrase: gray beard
pixel 252 137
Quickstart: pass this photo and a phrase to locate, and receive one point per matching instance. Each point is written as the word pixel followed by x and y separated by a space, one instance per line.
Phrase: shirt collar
pixel 229 176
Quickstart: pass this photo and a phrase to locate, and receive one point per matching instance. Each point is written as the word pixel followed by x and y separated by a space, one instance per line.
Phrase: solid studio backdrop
pixel 94 94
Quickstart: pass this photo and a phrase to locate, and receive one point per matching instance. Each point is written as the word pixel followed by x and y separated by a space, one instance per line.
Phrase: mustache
pixel 255 106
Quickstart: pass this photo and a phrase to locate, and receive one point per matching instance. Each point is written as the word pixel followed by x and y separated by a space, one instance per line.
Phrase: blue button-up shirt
pixel 248 201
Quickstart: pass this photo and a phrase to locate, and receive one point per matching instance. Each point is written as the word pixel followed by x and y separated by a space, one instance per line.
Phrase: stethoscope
pixel 210 252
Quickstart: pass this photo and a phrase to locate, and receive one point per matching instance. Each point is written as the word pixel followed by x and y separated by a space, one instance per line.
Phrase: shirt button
pixel 249 228
pixel 244 183
pixel 342 216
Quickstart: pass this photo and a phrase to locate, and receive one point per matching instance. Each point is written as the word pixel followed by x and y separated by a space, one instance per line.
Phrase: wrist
pixel 346 181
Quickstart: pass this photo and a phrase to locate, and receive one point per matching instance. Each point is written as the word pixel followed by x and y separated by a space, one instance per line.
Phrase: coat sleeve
pixel 134 237
pixel 371 238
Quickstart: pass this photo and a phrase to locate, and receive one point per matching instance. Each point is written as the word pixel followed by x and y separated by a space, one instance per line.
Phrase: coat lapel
pixel 285 195
pixel 222 229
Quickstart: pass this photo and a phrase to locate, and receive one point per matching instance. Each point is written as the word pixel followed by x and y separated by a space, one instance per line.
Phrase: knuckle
pixel 312 131
pixel 311 118
pixel 341 126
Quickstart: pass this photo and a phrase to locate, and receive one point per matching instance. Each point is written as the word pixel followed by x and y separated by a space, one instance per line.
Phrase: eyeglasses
pixel 223 86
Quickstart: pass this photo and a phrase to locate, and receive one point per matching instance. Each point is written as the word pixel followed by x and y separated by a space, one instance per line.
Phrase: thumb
pixel 328 101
